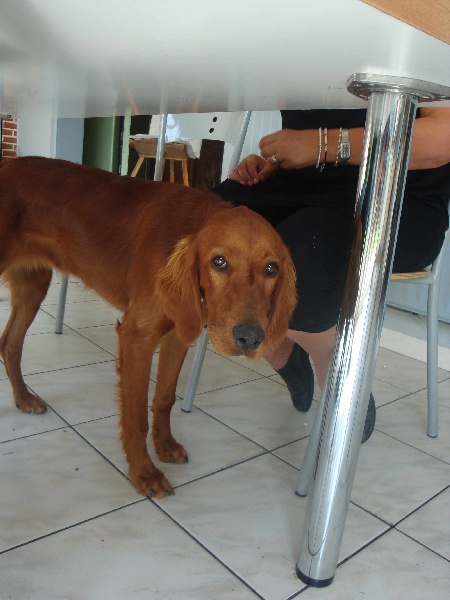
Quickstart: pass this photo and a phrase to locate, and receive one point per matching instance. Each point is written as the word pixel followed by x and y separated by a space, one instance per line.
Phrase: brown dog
pixel 171 258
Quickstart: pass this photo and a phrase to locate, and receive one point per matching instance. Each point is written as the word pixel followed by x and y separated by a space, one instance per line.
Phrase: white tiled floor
pixel 72 527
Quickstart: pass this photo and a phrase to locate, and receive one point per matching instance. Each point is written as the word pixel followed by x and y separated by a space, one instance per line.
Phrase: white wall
pixel 69 139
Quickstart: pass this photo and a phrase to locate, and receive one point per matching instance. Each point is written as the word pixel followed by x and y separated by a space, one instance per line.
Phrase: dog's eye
pixel 271 269
pixel 220 263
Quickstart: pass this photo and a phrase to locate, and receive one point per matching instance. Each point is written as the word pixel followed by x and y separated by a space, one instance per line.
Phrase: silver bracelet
pixel 338 151
pixel 325 135
pixel 320 148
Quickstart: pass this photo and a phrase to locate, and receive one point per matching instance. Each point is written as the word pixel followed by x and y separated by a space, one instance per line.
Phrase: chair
pixel 432 278
pixel 173 152
pixel 172 129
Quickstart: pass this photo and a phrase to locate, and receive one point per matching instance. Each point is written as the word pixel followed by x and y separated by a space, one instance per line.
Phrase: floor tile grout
pixel 72 526
pixel 261 451
pixel 414 447
pixel 433 497
pixel 415 540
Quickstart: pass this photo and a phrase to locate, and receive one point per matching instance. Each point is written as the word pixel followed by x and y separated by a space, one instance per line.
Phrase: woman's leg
pixel 319 240
pixel 419 223
pixel 318 345
pixel 277 357
pixel 421 233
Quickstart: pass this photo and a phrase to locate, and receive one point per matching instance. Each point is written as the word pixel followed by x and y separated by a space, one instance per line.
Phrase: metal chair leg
pixel 432 359
pixel 196 368
pixel 61 304
pixel 433 338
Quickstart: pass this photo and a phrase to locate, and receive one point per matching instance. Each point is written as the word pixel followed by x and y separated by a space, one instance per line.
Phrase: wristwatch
pixel 344 149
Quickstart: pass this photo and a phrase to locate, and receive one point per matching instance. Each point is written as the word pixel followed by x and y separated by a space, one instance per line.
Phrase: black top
pixel 431 186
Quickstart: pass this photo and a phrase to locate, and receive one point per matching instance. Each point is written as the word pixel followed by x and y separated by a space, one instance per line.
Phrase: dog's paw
pixel 31 403
pixel 171 451
pixel 151 482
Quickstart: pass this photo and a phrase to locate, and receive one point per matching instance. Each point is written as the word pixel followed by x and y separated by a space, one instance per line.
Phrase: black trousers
pixel 318 232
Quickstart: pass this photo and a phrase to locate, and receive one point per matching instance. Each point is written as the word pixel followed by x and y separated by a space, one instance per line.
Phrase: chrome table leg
pixel 390 118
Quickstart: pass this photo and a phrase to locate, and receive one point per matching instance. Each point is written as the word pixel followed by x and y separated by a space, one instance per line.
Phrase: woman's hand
pixel 292 149
pixel 252 170
pixel 287 148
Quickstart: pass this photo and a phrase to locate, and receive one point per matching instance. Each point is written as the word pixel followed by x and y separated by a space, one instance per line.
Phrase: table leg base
pixel 301 495
pixel 318 583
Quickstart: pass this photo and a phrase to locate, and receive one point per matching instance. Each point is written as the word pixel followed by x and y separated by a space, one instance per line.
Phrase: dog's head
pixel 235 275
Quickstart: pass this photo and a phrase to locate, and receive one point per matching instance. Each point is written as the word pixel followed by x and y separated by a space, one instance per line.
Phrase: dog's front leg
pixel 171 357
pixel 136 349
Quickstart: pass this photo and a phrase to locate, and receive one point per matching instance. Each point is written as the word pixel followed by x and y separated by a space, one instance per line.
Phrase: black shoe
pixel 370 420
pixel 299 378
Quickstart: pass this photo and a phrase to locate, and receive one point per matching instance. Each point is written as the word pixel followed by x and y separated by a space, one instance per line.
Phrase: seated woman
pixel 304 183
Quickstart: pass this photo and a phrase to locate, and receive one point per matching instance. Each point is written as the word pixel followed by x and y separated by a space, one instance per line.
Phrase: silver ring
pixel 273 159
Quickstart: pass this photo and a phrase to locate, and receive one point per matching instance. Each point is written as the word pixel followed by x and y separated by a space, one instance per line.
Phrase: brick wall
pixel 9 138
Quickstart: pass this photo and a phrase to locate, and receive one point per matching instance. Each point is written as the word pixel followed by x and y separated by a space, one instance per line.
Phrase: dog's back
pixel 58 214
pixel 66 193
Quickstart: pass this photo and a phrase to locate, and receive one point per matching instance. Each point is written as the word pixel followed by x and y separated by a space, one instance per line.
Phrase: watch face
pixel 345 151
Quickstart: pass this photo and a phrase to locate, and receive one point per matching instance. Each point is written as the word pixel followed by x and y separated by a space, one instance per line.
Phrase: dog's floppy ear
pixel 283 302
pixel 179 288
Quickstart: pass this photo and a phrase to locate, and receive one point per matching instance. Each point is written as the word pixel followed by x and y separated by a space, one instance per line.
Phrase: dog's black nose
pixel 248 337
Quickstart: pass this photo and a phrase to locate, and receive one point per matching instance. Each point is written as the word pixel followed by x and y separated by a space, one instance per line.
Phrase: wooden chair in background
pixel 173 152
